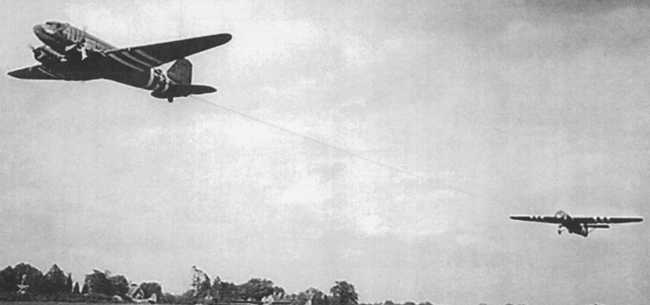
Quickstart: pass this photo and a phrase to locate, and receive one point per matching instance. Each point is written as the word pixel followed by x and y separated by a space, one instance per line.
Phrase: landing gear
pixel 559 230
pixel 170 99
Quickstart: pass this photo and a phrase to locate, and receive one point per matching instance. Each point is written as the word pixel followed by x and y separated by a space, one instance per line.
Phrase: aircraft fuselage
pixel 72 54
pixel 575 228
pixel 60 37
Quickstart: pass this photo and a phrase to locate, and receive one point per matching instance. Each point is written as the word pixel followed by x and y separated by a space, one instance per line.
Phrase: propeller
pixel 37 55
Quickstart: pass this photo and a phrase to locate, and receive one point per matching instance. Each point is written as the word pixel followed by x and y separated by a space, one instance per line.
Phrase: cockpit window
pixel 53 26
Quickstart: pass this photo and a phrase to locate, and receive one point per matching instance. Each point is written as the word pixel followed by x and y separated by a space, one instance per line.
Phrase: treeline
pixel 25 282
pixel 103 286
pixel 204 291
pixel 52 284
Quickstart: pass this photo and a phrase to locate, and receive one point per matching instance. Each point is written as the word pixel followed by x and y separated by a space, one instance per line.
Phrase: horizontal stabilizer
pixel 177 90
pixel 195 89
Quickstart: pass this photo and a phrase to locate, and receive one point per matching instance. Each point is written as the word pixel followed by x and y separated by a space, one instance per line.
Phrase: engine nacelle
pixel 47 55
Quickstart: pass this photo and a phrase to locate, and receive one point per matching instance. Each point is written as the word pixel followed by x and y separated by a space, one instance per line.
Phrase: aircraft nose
pixel 44 34
pixel 41 31
pixel 47 29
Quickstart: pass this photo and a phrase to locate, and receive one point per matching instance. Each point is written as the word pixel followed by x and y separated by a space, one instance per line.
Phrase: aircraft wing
pixel 599 219
pixel 34 72
pixel 545 219
pixel 153 55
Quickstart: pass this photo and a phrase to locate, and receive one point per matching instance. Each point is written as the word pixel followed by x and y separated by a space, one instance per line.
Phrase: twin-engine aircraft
pixel 578 225
pixel 72 54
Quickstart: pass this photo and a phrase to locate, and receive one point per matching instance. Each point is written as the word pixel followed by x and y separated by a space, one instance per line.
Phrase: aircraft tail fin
pixel 181 75
pixel 181 72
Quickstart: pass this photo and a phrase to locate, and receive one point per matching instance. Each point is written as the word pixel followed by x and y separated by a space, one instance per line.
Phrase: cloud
pixel 615 30
pixel 306 191
pixel 261 43
pixel 371 225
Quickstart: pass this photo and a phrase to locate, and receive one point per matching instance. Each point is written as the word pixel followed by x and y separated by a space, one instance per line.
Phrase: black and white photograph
pixel 443 152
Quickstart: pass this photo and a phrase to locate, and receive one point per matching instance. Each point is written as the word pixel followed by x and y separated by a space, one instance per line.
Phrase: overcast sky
pixel 489 109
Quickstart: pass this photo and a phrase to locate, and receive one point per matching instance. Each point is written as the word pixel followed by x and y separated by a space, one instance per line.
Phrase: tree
pixel 317 297
pixel 8 280
pixel 343 294
pixel 225 291
pixel 311 296
pixel 97 282
pixel 54 281
pixel 151 288
pixel 215 289
pixel 409 303
pixel 75 289
pixel 300 298
pixel 119 285
pixel 186 298
pixel 389 302
pixel 101 282
pixel 278 292
pixel 84 289
pixel 32 276
pixel 68 283
pixel 256 289
pixel 167 298
pixel 200 283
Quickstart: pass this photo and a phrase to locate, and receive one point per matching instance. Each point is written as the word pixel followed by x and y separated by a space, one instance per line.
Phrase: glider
pixel 578 225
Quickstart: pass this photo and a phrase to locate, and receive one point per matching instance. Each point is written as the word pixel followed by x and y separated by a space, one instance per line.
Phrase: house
pixel 137 294
pixel 135 291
